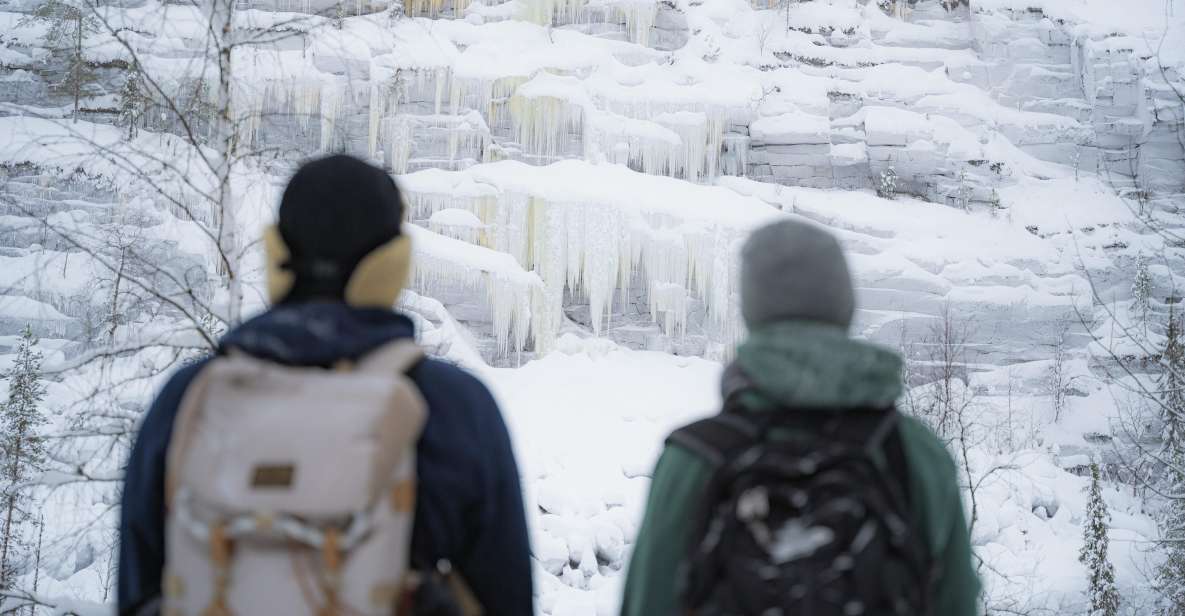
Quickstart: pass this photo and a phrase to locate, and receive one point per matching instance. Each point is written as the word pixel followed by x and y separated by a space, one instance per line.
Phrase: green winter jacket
pixel 807 365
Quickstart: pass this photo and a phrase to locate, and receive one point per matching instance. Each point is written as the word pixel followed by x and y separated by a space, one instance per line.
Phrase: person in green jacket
pixel 797 300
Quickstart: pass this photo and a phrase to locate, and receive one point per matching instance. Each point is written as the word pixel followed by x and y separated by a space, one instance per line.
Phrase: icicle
pixel 547 254
pixel 332 100
pixel 692 128
pixel 304 100
pixel 376 109
pixel 545 124
pixel 736 155
pixel 498 106
pixel 441 75
pixel 400 132
pixel 594 251
pixel 456 223
pixel 511 223
pixel 434 8
pixel 248 104
pixel 639 17
pixel 424 85
pixel 551 12
pixel 671 301
pixel 648 147
pixel 478 200
pixel 683 118
pixel 604 229
pixel 441 263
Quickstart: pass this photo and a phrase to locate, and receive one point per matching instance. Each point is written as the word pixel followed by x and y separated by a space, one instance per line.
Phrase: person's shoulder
pixel 438 371
pixel 925 450
pixel 443 380
pixel 185 374
pixel 177 384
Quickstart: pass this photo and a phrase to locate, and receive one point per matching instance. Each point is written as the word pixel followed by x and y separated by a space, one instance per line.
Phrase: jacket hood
pixel 317 333
pixel 811 365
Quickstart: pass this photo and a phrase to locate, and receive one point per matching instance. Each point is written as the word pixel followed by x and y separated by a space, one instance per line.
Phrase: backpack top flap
pixel 254 436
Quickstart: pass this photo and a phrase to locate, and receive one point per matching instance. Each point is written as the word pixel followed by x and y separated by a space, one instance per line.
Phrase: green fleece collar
pixel 812 365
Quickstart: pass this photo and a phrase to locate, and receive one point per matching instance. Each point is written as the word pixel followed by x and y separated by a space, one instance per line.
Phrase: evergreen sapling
pixel 24 452
pixel 1142 288
pixel 69 26
pixel 1172 387
pixel 1103 598
pixel 963 197
pixel 1170 575
pixel 132 101
pixel 886 187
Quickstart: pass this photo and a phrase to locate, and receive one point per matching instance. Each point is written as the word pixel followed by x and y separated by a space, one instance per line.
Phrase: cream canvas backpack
pixel 292 490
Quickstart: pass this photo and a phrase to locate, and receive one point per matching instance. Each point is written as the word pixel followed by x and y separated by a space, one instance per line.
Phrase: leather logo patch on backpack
pixel 273 476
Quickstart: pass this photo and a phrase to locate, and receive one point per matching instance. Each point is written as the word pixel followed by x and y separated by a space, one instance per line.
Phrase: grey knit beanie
pixel 793 270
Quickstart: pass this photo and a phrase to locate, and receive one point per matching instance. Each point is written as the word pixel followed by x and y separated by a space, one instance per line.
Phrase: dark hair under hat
pixel 334 212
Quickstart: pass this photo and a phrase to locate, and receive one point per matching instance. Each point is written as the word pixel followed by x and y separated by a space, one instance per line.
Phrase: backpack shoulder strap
pixel 396 357
pixel 888 439
pixel 884 444
pixel 886 426
pixel 714 438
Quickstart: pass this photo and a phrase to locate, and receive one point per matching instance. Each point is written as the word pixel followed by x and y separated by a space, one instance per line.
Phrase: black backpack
pixel 806 514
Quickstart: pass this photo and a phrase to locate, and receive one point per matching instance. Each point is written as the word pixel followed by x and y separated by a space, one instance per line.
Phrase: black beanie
pixel 334 212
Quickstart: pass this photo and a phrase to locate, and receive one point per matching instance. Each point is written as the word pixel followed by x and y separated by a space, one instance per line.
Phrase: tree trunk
pixel 229 248
pixel 77 68
pixel 37 562
pixel 10 507
pixel 4 582
pixel 115 294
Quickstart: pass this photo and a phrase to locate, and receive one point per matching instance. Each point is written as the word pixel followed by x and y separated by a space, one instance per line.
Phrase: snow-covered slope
pixel 579 176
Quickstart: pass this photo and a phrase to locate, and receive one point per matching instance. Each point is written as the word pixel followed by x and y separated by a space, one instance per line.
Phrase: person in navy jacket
pixel 337 261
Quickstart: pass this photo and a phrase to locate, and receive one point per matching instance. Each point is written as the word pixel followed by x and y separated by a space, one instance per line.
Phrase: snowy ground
pixel 593 415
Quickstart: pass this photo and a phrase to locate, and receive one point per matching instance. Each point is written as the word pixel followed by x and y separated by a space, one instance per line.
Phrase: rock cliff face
pixel 580 169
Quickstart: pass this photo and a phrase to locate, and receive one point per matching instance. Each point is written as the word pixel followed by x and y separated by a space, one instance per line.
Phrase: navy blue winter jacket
pixel 469 507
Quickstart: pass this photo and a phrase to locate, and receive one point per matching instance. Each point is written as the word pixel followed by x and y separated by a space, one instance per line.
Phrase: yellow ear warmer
pixel 375 282
pixel 381 275
pixel 279 280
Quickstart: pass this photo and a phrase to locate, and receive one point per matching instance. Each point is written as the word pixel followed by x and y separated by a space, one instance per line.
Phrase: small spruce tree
pixel 24 451
pixel 69 26
pixel 963 197
pixel 133 101
pixel 1170 575
pixel 1172 386
pixel 886 186
pixel 198 110
pixel 1102 594
pixel 1142 288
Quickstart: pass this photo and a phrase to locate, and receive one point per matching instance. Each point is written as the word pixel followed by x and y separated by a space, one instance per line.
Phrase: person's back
pixel 337 261
pixel 803 398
